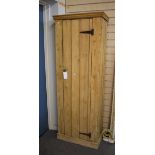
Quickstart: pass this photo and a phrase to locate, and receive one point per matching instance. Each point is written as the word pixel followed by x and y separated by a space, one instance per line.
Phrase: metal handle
pixel 64 70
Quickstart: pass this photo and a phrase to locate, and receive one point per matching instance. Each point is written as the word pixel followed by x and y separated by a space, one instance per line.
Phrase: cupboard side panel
pixel 103 51
pixel 75 78
pixel 84 78
pixel 67 57
pixel 59 68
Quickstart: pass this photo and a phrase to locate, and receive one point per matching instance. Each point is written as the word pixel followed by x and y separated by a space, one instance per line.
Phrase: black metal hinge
pixel 87 134
pixel 88 32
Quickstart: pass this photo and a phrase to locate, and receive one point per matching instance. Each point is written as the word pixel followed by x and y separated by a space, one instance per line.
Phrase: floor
pixel 50 145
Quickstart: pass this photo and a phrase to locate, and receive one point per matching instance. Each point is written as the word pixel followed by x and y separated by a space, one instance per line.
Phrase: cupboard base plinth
pixel 94 145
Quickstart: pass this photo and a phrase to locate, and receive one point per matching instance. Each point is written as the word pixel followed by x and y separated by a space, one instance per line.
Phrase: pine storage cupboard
pixel 80 49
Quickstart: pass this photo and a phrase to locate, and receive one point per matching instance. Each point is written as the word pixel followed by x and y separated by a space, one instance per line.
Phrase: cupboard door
pixel 76 88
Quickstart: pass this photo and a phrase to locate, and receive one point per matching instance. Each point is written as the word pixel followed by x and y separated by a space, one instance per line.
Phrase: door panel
pixel 84 77
pixel 75 78
pixel 90 72
pixel 67 62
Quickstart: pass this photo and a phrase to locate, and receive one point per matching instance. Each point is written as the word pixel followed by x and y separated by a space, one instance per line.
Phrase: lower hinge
pixel 87 134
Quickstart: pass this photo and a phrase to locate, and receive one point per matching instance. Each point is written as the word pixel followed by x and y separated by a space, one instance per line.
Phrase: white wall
pixel 51 9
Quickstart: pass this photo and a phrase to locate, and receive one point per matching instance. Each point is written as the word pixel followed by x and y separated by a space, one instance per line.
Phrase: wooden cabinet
pixel 80 49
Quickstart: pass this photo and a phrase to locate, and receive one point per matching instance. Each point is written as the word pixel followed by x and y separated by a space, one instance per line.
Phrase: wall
pixel 51 9
pixel 112 123
pixel 108 6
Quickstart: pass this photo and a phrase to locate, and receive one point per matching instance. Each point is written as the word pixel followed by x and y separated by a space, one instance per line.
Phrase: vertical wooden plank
pixel 96 79
pixel 89 70
pixel 75 78
pixel 58 32
pixel 84 78
pixel 67 83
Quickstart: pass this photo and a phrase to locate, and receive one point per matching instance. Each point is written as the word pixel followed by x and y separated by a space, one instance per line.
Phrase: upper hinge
pixel 88 32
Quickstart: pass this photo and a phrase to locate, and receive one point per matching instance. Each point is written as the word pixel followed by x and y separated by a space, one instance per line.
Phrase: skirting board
pixel 79 141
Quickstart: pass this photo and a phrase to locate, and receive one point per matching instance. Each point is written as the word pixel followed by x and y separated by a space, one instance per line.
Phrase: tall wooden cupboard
pixel 80 49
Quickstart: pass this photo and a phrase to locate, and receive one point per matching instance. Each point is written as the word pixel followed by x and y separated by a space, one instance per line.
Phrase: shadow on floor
pixel 50 145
